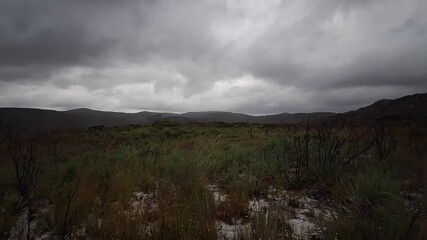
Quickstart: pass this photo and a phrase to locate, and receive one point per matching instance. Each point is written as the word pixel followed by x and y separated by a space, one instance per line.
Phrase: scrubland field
pixel 333 180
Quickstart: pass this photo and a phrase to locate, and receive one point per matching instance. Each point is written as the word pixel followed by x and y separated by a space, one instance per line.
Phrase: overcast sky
pixel 247 56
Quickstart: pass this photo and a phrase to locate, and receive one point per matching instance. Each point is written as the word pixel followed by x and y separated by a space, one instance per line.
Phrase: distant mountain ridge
pixel 39 120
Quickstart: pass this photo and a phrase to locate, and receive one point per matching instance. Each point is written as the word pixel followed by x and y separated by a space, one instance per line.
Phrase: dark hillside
pixel 39 120
pixel 411 107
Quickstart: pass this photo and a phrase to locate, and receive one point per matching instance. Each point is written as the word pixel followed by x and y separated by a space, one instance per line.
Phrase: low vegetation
pixel 214 181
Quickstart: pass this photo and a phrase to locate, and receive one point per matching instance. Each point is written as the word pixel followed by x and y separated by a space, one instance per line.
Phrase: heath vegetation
pixel 213 181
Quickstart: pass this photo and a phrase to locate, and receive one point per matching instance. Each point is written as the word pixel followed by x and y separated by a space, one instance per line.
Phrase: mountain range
pixel 412 107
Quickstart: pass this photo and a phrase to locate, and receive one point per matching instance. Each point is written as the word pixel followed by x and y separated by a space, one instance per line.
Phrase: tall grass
pixel 377 210
pixel 269 224
pixel 371 190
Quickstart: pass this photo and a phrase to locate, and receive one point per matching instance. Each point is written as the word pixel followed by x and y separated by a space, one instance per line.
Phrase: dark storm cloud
pixel 39 37
pixel 246 56
pixel 401 69
pixel 49 33
pixel 311 54
pixel 43 37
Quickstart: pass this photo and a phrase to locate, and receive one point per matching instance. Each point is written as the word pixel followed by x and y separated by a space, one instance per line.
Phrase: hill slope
pixel 39 120
pixel 411 107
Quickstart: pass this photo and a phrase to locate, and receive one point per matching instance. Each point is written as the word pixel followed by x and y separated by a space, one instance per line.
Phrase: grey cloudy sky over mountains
pixel 248 56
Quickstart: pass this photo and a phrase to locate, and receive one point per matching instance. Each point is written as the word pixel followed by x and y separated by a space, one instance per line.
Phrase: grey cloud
pixel 42 37
pixel 404 69
pixel 299 54
pixel 51 32
pixel 250 56
pixel 48 38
